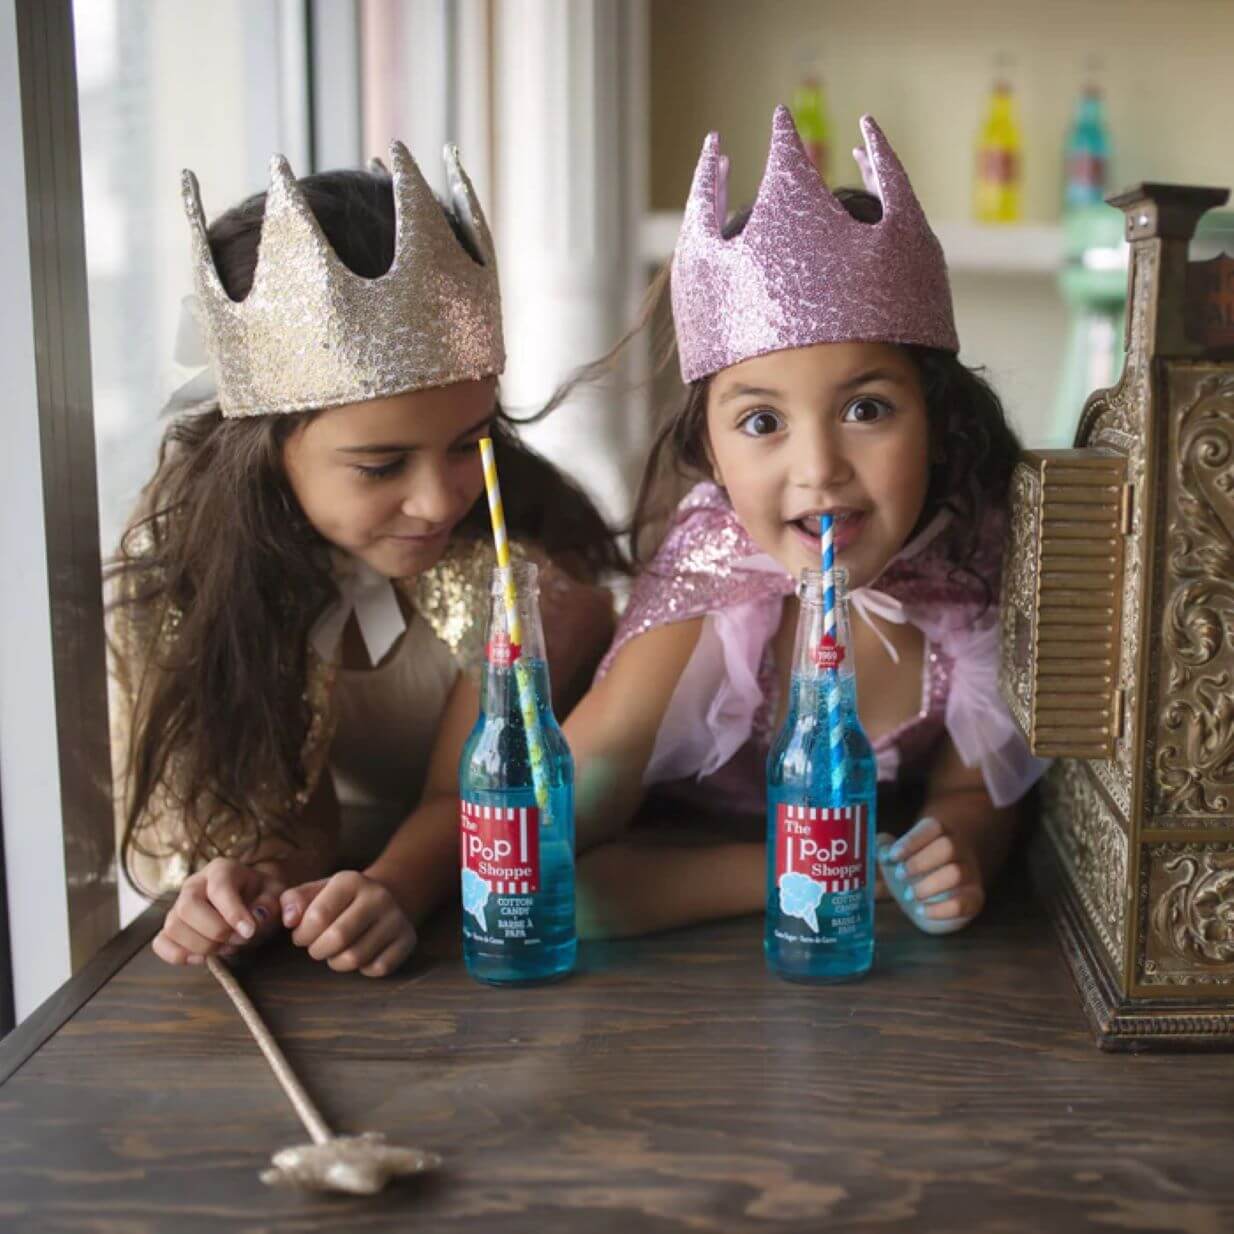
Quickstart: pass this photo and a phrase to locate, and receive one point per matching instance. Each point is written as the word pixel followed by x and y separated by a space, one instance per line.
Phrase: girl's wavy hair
pixel 973 448
pixel 219 577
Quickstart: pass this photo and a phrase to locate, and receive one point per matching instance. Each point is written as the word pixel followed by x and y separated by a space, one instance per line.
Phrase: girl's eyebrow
pixel 871 376
pixel 750 392
pixel 403 447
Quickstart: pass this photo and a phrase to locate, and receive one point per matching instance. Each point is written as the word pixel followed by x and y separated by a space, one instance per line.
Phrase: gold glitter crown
pixel 313 334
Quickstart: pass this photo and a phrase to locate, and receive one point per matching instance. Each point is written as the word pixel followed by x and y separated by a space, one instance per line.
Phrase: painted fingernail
pixel 261 913
pixel 895 852
pixel 245 929
pixel 289 915
pixel 909 892
pixel 900 872
pixel 196 959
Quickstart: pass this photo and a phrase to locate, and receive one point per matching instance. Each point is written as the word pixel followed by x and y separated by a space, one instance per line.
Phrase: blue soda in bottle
pixel 821 794
pixel 517 857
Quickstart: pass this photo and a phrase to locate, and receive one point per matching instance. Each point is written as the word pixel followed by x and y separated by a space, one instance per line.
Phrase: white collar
pixel 368 594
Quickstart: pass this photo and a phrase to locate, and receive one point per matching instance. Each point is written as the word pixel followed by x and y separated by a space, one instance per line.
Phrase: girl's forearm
pixel 419 865
pixel 627 887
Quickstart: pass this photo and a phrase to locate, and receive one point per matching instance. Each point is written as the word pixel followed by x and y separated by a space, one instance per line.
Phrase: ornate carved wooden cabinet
pixel 1118 651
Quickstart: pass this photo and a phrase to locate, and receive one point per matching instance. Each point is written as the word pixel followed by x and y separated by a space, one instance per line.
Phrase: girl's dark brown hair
pixel 974 449
pixel 221 577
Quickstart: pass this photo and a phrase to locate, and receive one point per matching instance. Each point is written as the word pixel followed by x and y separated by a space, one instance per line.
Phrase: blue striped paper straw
pixel 831 677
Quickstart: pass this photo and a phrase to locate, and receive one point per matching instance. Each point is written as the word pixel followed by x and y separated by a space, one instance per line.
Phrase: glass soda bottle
pixel 996 196
pixel 810 115
pixel 821 796
pixel 1087 154
pixel 517 856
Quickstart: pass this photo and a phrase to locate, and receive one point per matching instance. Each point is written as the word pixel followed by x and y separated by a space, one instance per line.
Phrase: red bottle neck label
pixel 501 652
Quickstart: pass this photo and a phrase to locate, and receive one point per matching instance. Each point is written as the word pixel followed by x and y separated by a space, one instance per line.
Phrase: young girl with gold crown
pixel 816 339
pixel 299 602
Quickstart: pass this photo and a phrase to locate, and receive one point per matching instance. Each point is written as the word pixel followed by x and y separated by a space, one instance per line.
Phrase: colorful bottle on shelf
pixel 809 108
pixel 997 197
pixel 1087 156
pixel 517 843
pixel 821 796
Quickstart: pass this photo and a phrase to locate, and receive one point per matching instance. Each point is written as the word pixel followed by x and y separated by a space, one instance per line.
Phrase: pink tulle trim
pixel 712 712
pixel 976 717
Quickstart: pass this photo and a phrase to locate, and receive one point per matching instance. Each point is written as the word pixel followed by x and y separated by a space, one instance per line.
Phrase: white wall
pixel 29 764
pixel 924 69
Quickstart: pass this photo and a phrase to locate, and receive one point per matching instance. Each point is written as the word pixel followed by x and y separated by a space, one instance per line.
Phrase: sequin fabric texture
pixel 311 334
pixel 803 270
pixel 699 569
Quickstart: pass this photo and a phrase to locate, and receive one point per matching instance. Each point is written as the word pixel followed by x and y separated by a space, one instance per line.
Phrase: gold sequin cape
pixel 452 596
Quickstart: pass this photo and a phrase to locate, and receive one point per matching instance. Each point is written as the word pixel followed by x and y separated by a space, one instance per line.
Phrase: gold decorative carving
pixel 1190 934
pixel 1019 588
pixel 1092 845
pixel 1195 742
pixel 1124 427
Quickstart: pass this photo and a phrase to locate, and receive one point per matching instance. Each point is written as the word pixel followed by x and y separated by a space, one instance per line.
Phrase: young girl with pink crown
pixel 298 606
pixel 816 338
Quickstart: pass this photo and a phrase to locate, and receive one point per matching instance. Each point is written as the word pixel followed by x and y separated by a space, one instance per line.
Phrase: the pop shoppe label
pixel 819 851
pixel 500 857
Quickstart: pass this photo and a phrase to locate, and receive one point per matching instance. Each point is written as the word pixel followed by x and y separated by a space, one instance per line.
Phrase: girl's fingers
pixel 295 901
pixel 936 854
pixel 200 916
pixel 167 951
pixel 946 878
pixel 360 916
pixel 225 883
pixel 393 956
pixel 180 932
pixel 924 831
pixel 966 901
pixel 365 949
pixel 324 910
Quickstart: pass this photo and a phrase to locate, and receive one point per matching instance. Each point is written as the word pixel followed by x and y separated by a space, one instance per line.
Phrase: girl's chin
pixel 796 556
pixel 404 558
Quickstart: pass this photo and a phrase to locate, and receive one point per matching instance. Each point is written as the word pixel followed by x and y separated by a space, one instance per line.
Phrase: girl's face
pixel 388 480
pixel 836 428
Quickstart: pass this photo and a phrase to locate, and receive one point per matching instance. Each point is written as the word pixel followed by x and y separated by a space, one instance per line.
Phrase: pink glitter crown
pixel 803 270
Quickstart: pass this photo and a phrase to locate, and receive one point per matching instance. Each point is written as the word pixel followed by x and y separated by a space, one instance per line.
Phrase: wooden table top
pixel 671 1085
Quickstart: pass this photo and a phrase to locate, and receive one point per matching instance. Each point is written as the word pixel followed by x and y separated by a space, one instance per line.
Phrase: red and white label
pixel 823 844
pixel 828 653
pixel 501 652
pixel 502 846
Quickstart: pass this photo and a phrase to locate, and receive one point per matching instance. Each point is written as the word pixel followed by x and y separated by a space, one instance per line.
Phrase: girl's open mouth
pixel 848 525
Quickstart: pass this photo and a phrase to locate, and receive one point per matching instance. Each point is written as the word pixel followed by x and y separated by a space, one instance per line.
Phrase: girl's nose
pixel 430 497
pixel 820 461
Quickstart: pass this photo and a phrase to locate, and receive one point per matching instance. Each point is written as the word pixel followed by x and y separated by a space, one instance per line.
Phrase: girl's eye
pixel 380 472
pixel 467 448
pixel 866 411
pixel 760 424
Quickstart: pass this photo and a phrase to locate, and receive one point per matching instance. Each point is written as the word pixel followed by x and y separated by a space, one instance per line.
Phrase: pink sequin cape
pixel 713 742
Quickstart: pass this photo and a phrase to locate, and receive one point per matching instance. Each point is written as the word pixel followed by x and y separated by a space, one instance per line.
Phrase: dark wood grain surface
pixel 672 1085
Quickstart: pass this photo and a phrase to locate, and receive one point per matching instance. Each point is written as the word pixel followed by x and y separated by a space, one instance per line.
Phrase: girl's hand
pixel 219 909
pixel 351 921
pixel 936 876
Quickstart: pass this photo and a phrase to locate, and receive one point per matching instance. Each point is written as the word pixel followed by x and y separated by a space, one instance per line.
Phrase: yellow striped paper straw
pixel 522 675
